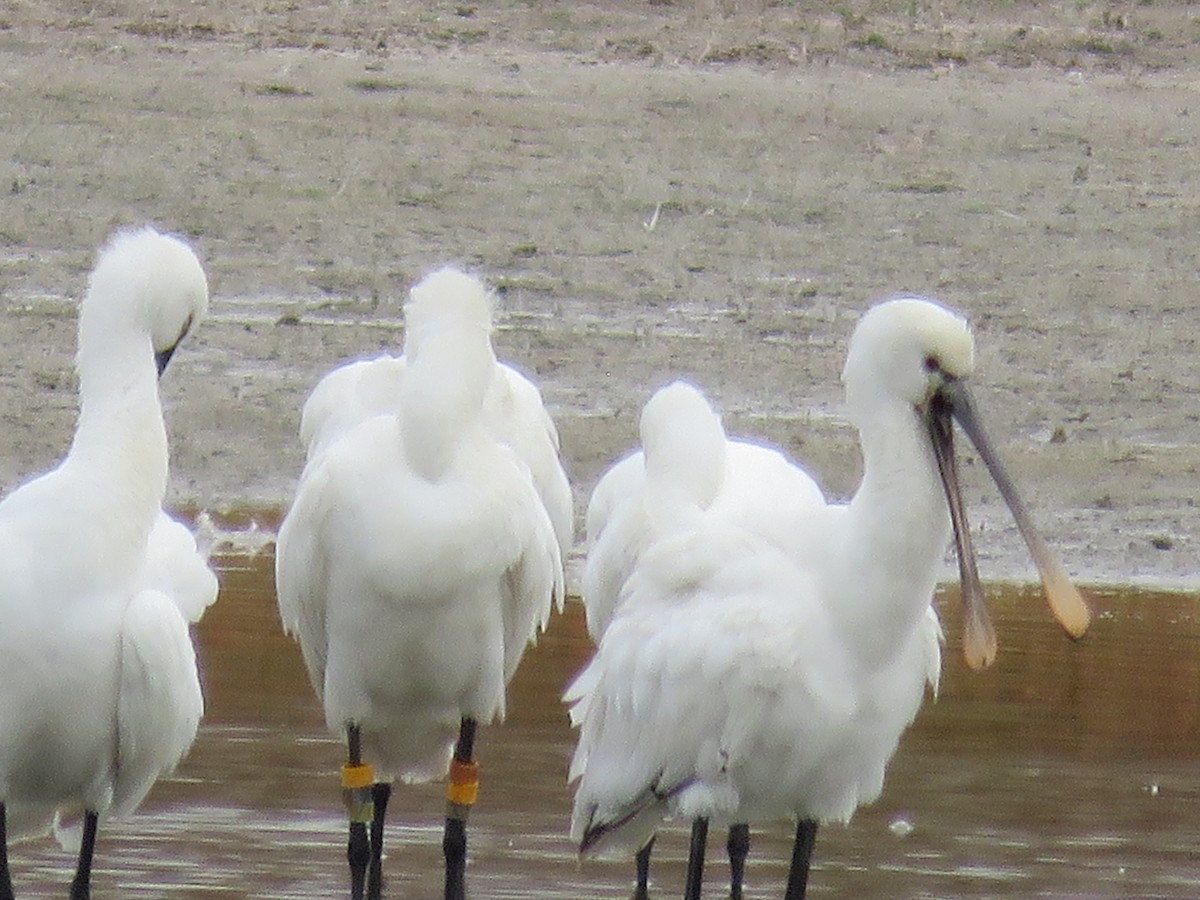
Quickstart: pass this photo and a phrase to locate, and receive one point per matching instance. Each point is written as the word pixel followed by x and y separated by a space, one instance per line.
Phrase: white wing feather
pixel 348 396
pixel 176 567
pixel 688 679
pixel 302 570
pixel 160 703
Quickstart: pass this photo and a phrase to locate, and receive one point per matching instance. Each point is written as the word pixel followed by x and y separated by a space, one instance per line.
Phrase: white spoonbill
pixel 687 468
pixel 99 693
pixel 740 681
pixel 687 465
pixel 418 560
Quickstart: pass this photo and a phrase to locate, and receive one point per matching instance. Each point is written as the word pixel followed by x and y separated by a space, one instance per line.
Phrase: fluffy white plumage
pixel 424 545
pixel 177 567
pixel 687 467
pixel 512 410
pixel 764 668
pixel 99 692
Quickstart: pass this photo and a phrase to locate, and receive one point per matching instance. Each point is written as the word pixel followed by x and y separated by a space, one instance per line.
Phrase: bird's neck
pixel 441 401
pixel 897 530
pixel 120 445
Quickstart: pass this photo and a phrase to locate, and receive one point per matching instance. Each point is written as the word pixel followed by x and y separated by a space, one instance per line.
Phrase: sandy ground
pixel 657 189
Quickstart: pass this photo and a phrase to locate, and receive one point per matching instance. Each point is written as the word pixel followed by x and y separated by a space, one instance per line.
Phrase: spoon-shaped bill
pixel 1066 602
pixel 979 637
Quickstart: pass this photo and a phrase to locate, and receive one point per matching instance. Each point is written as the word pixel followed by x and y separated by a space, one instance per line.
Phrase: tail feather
pixel 645 809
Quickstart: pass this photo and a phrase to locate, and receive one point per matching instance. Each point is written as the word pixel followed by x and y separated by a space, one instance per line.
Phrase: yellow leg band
pixel 360 776
pixel 463 788
pixel 357 781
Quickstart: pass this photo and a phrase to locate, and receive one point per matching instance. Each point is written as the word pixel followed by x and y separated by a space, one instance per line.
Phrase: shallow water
pixel 1064 771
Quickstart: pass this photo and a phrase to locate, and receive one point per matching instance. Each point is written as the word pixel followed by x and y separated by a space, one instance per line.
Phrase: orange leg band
pixel 358 776
pixel 463 787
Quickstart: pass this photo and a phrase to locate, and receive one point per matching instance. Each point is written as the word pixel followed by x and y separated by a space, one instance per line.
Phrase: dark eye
pixel 931 364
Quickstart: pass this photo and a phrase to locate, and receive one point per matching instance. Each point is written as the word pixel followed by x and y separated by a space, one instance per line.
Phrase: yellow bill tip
pixel 979 636
pixel 1068 605
pixel 977 657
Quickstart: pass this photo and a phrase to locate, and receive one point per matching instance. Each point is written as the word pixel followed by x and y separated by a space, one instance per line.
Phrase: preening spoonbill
pixel 99 693
pixel 421 555
pixel 743 680
pixel 687 465
pixel 687 468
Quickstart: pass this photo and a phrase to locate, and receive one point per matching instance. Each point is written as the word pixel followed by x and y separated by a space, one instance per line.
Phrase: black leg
pixel 738 846
pixel 6 889
pixel 81 886
pixel 380 794
pixel 806 836
pixel 358 855
pixel 695 870
pixel 642 891
pixel 357 778
pixel 461 792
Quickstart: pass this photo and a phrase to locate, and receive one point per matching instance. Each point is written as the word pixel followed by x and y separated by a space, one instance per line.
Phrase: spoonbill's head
pixel 449 366
pixel 922 353
pixel 146 281
pixel 447 302
pixel 684 442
